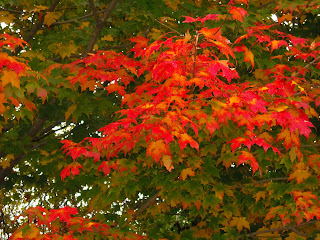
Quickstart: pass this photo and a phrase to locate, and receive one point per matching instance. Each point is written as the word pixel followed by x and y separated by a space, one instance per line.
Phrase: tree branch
pixel 290 228
pixel 261 181
pixel 7 128
pixel 94 10
pixel 144 206
pixel 36 127
pixel 6 171
pixel 40 22
pixel 73 20
pixel 11 10
pixel 47 129
pixel 169 27
pixel 307 66
pixel 57 59
pixel 99 27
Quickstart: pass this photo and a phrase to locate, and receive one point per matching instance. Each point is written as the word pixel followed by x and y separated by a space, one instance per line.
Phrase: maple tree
pixel 198 120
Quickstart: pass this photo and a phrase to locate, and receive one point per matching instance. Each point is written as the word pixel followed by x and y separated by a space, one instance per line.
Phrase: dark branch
pixel 40 22
pixel 144 206
pixel 73 20
pixel 94 10
pixel 6 171
pixel 289 228
pixel 49 128
pixel 36 127
pixel 122 46
pixel 99 27
pixel 7 128
pixel 11 10
pixel 262 181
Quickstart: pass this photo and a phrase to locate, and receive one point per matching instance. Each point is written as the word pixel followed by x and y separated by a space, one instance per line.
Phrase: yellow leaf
pixel 204 233
pixel 300 173
pixel 172 4
pixel 155 33
pixel 31 55
pixel 70 110
pixel 239 223
pixel 6 17
pixel 279 108
pixel 259 195
pixel 186 172
pixel 33 232
pixel 301 88
pixel 107 38
pixel 5 162
pixel 51 17
pixel 65 26
pixel 39 8
pixel 234 99
pixel 285 17
pixel 187 37
pixel 249 57
pixel 44 153
pixel 293 154
pixel 10 77
pixel 259 74
pixel 165 19
pixel 266 136
pixel 167 162
pixel 84 24
pixel 65 50
pixel 294 236
pixel 312 112
pixel 157 149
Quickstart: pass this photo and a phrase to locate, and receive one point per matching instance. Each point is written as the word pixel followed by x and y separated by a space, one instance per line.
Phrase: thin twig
pixel 73 20
pixel 169 27
pixel 307 66
pixel 224 21
pixel 195 56
pixel 292 228
pixel 262 181
pixel 11 10
pixel 94 10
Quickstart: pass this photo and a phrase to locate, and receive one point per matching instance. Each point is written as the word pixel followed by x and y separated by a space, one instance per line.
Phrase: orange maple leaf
pixel 167 162
pixel 300 173
pixel 238 13
pixel 157 149
pixel 246 156
pixel 186 172
pixel 185 139
pixel 275 44
pixel 248 55
pixel 239 223
pixel 10 77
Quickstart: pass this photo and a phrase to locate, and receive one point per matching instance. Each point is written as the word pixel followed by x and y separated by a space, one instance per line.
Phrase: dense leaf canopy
pixel 164 119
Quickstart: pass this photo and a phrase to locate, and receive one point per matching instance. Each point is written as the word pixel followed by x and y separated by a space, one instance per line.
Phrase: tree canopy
pixel 164 119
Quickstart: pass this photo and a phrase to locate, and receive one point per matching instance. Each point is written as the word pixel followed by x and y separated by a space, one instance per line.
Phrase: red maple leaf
pixel 63 214
pixel 245 157
pixel 202 20
pixel 72 168
pixel 106 167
